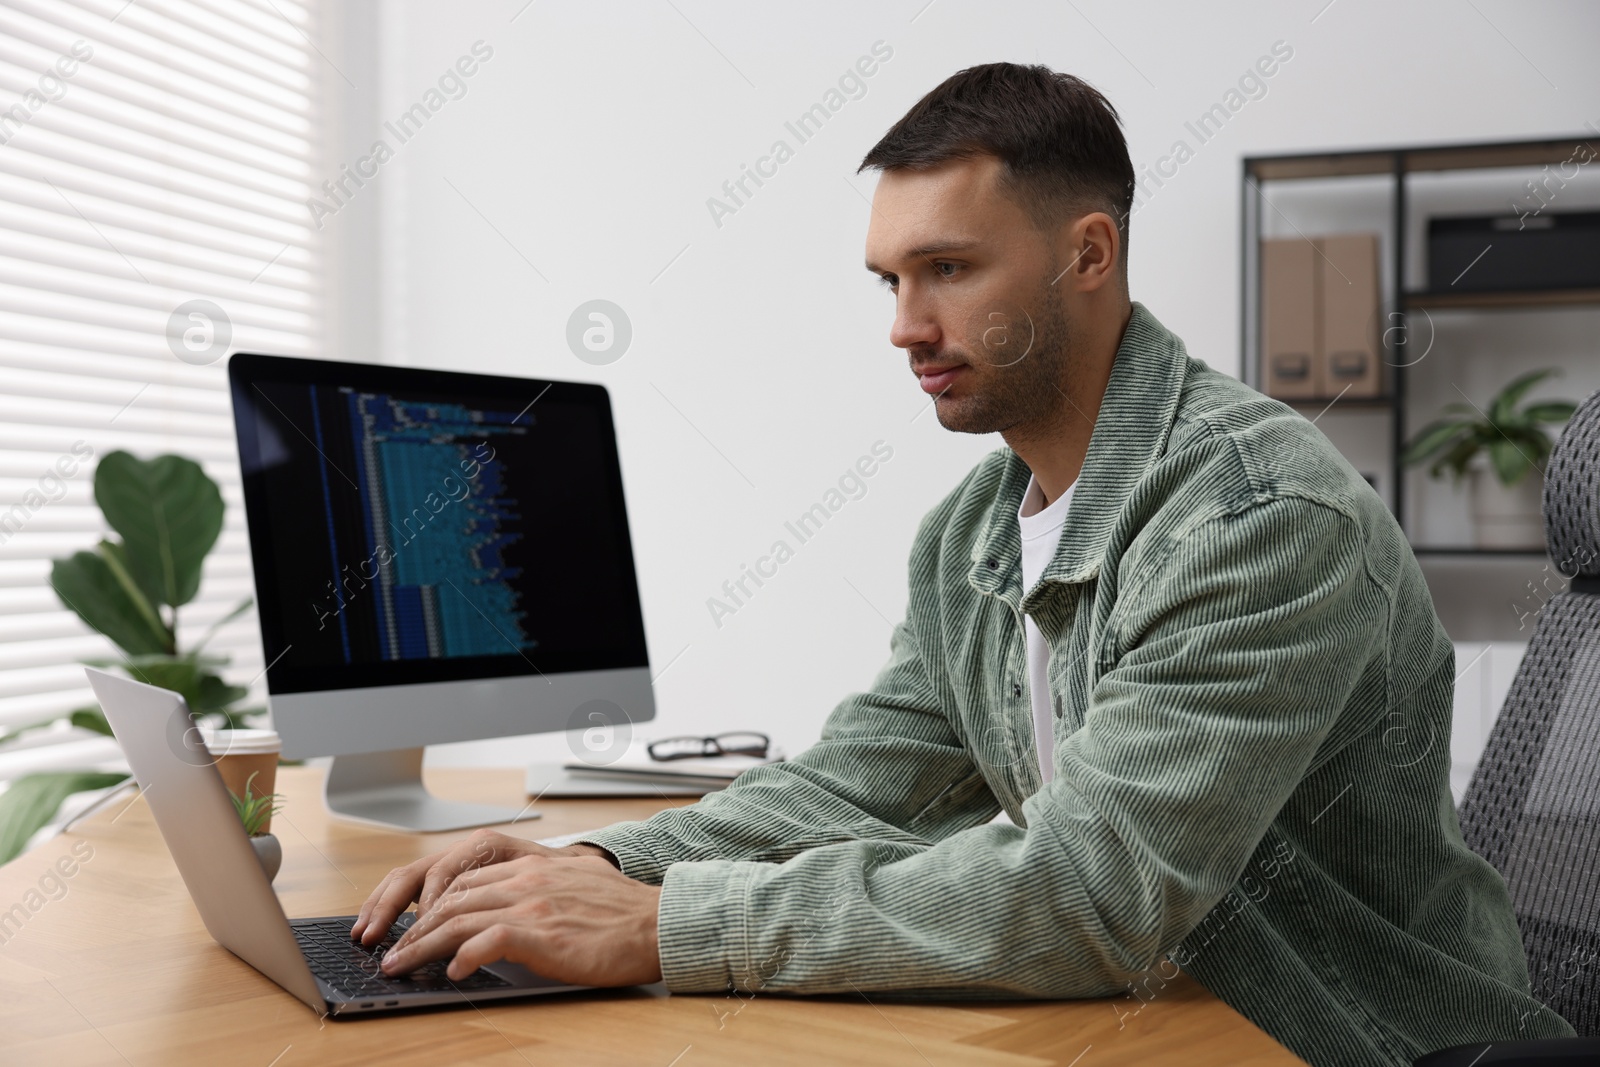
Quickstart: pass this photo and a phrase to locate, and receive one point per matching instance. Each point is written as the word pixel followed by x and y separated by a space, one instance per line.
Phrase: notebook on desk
pixel 636 774
pixel 554 781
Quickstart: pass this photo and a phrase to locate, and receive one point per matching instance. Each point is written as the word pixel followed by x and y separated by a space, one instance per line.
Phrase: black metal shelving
pixel 1399 163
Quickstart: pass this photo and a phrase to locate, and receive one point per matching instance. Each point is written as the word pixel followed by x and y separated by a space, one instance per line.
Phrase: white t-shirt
pixel 1041 533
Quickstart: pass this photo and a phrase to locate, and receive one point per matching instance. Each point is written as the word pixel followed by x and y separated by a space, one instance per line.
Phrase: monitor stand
pixel 385 788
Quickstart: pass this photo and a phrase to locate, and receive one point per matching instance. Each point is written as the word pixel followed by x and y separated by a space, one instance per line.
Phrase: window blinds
pixel 155 162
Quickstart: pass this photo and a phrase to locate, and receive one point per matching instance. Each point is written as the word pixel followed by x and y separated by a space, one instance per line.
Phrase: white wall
pixel 1484 670
pixel 587 146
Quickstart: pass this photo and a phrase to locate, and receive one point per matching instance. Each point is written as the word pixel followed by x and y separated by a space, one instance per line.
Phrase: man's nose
pixel 913 325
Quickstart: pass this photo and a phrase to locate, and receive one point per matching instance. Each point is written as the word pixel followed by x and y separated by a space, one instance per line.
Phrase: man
pixel 1168 631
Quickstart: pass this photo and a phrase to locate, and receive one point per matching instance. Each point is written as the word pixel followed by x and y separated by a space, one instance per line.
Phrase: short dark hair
pixel 1059 139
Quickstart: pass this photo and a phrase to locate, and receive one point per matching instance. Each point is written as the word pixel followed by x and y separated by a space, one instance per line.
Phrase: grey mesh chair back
pixel 1533 808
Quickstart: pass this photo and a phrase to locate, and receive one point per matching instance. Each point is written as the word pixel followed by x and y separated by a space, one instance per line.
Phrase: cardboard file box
pixel 1320 317
pixel 1292 368
pixel 1350 353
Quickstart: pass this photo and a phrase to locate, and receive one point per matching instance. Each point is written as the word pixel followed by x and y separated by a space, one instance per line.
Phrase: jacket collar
pixel 1130 433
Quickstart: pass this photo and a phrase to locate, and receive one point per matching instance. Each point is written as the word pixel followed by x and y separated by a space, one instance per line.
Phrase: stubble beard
pixel 1015 394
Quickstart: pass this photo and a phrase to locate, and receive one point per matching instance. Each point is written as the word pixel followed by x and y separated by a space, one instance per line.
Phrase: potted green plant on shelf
pixel 168 514
pixel 1501 451
pixel 256 813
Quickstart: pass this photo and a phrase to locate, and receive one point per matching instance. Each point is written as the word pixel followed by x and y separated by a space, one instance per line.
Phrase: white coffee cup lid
pixel 241 742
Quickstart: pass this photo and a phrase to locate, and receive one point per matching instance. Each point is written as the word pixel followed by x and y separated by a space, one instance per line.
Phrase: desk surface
pixel 113 966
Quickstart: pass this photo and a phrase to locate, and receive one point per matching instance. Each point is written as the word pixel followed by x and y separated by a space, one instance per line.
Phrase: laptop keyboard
pixel 353 968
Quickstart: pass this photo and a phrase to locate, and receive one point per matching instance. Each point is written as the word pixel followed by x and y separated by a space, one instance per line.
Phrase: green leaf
pixel 177 673
pixel 1550 411
pixel 85 583
pixel 1514 438
pixel 1456 460
pixel 127 663
pixel 253 809
pixel 169 514
pixel 1512 421
pixel 116 558
pixel 239 719
pixel 1535 444
pixel 213 694
pixel 33 800
pixel 1431 439
pixel 203 690
pixel 1510 464
pixel 1501 406
pixel 91 719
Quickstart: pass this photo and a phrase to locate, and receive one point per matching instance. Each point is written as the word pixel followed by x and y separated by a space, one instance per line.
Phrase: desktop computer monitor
pixel 438 557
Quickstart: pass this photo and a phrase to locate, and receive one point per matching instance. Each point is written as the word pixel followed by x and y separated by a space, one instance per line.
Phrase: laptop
pixel 314 959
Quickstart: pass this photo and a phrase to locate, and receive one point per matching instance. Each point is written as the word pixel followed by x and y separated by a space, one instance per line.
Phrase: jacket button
pixel 994 564
pixel 1016 690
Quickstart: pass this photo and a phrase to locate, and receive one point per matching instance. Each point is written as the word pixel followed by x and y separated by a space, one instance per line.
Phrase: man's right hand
pixel 426 880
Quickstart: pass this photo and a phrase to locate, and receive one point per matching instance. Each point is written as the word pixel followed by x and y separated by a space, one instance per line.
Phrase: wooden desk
pixel 118 969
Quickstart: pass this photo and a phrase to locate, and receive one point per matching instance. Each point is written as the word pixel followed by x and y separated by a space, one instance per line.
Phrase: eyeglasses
pixel 735 744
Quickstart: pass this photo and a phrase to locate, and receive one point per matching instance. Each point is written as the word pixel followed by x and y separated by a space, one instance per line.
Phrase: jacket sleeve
pixel 1240 651
pixel 889 767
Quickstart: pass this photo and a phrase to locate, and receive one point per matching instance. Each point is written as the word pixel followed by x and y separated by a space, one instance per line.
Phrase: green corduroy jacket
pixel 1253 709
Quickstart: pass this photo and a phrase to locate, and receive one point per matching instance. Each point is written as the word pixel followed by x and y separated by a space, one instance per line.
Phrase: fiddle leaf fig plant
pixel 167 515
pixel 1514 438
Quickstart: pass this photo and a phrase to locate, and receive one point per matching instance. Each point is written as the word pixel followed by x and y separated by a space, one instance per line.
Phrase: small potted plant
pixel 1501 451
pixel 256 813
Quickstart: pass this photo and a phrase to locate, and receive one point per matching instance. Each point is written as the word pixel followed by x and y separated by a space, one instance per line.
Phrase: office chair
pixel 1533 808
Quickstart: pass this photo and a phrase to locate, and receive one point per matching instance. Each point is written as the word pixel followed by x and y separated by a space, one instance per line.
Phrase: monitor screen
pixel 420 526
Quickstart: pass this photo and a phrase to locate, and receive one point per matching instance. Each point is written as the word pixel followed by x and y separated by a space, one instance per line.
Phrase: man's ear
pixel 1091 247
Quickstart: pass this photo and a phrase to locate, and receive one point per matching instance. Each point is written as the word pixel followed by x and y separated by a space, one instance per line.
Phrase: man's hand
pixel 581 921
pixel 424 880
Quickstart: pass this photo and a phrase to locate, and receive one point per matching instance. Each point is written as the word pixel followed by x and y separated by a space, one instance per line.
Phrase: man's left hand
pixel 574 920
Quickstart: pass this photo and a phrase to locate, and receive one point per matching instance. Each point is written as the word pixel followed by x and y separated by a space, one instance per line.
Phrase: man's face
pixel 976 307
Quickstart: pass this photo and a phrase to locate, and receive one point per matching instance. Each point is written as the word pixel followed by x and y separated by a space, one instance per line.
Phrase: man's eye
pixel 888 281
pixel 943 272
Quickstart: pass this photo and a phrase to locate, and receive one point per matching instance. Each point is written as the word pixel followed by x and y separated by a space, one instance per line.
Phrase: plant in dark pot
pixel 1501 451
pixel 168 514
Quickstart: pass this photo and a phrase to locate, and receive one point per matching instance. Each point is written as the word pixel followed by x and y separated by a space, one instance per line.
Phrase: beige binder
pixel 1292 367
pixel 1349 313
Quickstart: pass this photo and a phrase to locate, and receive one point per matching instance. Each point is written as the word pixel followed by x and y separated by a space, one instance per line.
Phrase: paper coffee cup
pixel 241 753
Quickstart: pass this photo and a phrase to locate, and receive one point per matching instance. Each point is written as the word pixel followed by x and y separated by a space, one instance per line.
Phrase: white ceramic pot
pixel 1507 516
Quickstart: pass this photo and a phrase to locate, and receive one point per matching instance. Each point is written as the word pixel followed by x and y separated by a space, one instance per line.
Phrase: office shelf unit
pixel 1384 180
pixel 1398 165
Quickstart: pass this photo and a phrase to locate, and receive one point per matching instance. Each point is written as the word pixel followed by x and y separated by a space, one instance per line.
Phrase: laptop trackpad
pixel 520 976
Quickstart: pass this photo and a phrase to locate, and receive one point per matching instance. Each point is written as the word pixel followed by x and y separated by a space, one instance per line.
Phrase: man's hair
pixel 1059 139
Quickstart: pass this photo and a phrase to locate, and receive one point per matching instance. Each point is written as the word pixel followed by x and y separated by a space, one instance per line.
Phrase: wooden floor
pixel 112 966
